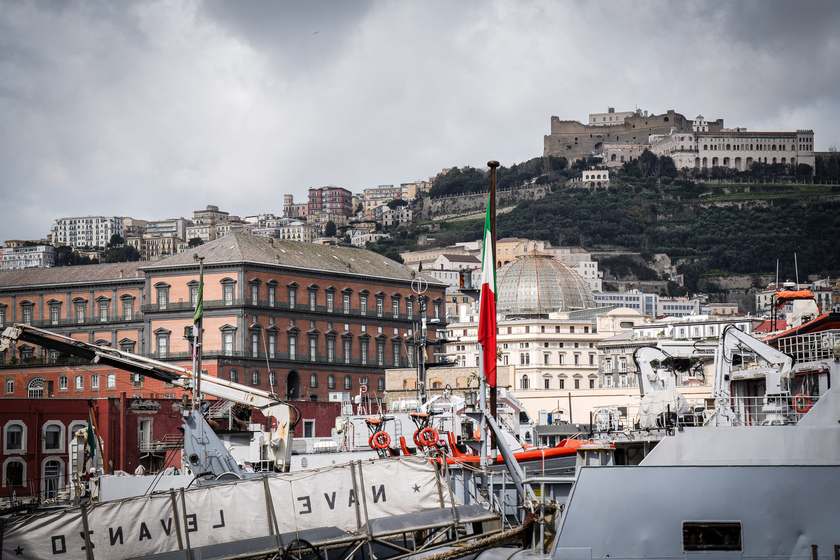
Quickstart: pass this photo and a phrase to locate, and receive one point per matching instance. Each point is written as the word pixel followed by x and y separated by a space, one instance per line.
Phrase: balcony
pixel 86 321
pixel 337 311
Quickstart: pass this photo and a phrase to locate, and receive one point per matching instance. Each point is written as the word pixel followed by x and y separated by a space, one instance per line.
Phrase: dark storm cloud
pixel 298 35
pixel 152 109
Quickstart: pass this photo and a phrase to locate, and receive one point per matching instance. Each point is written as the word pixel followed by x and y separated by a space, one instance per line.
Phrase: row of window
pixel 255 378
pixel 53 436
pixel 268 348
pixel 754 147
pixel 525 382
pixel 330 302
pixel 52 475
pixel 35 387
pixel 80 310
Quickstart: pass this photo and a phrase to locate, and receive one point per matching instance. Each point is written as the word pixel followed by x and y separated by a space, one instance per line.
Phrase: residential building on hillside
pixel 376 197
pixel 399 215
pixel 18 256
pixel 330 200
pixel 210 215
pixel 292 210
pixel 87 231
pixel 410 190
pixel 132 227
pixel 448 268
pixel 173 227
pixel 508 248
pixel 298 319
pixel 153 247
pixel 425 259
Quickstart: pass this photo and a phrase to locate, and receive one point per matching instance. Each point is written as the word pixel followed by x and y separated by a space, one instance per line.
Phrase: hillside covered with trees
pixel 712 221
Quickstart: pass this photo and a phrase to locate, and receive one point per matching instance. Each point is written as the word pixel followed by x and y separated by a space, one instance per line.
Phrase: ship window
pixel 711 535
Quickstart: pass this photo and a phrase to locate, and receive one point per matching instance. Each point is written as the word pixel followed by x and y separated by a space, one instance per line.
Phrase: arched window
pixel 14 472
pixel 380 384
pixel 52 479
pixel 331 381
pixel 14 440
pixel 53 437
pixel 525 382
pixel 255 377
pixel 348 383
pixel 363 380
pixel 35 388
pixel 313 379
pixel 272 378
pixel 234 376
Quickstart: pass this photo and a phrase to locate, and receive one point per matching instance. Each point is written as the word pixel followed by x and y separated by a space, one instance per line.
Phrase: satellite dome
pixel 536 284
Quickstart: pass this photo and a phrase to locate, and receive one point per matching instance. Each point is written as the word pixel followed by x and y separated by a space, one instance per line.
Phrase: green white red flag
pixel 487 304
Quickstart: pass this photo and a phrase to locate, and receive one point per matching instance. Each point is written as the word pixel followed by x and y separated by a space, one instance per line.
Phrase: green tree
pixel 195 242
pixel 330 229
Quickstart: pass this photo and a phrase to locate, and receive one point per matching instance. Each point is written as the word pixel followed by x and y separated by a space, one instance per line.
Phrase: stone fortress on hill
pixel 618 137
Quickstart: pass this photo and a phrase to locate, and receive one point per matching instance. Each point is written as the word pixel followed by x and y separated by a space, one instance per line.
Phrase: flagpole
pixel 198 320
pixel 492 203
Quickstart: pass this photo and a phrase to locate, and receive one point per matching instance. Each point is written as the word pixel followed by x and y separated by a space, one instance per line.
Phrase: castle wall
pixel 572 139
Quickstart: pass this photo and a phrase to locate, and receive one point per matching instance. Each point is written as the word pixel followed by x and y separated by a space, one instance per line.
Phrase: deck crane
pixel 662 404
pixel 776 374
pixel 207 457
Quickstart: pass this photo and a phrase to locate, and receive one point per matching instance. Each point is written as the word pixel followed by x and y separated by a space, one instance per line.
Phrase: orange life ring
pixel 802 403
pixel 427 437
pixel 379 440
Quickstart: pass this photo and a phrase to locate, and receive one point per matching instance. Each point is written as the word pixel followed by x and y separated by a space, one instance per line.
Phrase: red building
pixel 304 321
pixel 38 439
pixel 330 200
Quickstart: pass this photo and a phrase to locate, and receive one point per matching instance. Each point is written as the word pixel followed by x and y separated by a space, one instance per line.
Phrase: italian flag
pixel 487 304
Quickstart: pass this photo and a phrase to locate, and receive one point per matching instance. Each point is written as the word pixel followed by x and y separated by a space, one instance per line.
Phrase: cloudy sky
pixel 153 109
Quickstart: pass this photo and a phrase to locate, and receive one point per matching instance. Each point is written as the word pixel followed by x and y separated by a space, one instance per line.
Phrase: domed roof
pixel 536 284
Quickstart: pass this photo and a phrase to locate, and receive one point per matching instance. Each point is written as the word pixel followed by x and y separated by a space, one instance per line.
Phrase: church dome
pixel 536 284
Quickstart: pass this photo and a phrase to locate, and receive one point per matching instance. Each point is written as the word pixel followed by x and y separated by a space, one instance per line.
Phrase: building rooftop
pixel 70 274
pixel 326 258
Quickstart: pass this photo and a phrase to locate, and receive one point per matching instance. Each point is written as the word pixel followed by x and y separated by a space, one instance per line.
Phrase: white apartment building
pixel 173 227
pixel 651 305
pixel 86 231
pixel 735 148
pixel 299 232
pixel 19 258
pixel 591 179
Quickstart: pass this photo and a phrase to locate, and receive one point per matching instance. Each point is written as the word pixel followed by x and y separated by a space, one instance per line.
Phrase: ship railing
pixel 810 347
pixel 772 410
